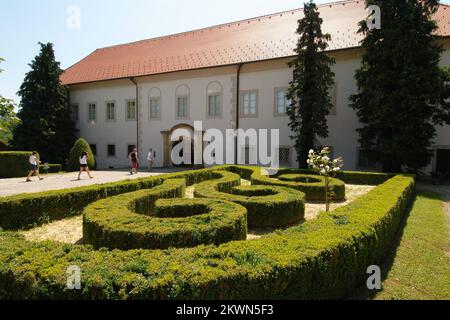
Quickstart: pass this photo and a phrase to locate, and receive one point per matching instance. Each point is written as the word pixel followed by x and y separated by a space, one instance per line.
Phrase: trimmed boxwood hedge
pixel 138 220
pixel 14 164
pixel 325 258
pixel 267 206
pixel 312 185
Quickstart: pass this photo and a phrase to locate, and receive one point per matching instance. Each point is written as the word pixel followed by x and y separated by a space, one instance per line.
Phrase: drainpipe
pixel 238 100
pixel 137 113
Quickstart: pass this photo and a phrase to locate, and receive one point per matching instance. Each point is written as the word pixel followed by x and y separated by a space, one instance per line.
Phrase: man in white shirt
pixel 151 158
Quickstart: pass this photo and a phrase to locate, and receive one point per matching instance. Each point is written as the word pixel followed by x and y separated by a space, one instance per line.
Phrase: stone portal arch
pixel 168 144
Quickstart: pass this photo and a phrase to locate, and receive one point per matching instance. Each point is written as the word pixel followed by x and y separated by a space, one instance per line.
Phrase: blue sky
pixel 24 23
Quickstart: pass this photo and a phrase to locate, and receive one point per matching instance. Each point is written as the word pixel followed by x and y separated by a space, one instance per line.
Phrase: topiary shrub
pixel 75 153
pixel 312 185
pixel 325 258
pixel 267 206
pixel 138 220
pixel 14 164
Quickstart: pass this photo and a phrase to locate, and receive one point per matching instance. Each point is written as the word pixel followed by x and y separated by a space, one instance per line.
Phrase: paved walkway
pixel 15 186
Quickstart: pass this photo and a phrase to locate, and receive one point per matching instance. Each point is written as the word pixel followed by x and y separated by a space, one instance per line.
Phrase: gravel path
pixel 70 230
pixel 9 187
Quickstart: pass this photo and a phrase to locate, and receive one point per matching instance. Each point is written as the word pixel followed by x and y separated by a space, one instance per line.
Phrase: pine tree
pixel 44 111
pixel 401 88
pixel 309 92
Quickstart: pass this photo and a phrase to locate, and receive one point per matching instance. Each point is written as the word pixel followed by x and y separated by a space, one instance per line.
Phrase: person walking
pixel 84 165
pixel 133 156
pixel 150 159
pixel 34 167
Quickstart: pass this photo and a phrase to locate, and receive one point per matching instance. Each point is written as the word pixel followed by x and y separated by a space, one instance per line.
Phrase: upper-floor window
pixel 249 104
pixel 214 100
pixel 182 101
pixel 131 110
pixel 92 112
pixel 214 105
pixel 154 104
pixel 155 108
pixel 281 101
pixel 74 109
pixel 182 107
pixel 110 111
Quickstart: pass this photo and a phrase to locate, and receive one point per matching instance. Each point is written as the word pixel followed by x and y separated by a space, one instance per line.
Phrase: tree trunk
pixel 327 201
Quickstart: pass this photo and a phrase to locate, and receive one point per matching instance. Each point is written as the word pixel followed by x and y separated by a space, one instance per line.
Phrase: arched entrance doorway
pixel 170 145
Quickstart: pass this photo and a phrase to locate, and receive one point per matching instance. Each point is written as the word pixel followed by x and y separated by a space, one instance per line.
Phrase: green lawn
pixel 420 268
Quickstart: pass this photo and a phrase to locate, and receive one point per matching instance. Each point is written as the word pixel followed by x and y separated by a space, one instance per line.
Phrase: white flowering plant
pixel 326 167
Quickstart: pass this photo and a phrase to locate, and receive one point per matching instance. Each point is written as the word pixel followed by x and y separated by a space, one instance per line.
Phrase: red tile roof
pixel 267 37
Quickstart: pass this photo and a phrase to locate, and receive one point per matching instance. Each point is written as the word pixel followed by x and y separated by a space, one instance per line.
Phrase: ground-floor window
pixel 443 162
pixel 93 149
pixel 130 149
pixel 365 160
pixel 284 156
pixel 111 150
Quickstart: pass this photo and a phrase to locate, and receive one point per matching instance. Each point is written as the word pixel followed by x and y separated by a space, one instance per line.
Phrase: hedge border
pixel 267 206
pixel 314 191
pixel 324 258
pixel 337 248
pixel 138 220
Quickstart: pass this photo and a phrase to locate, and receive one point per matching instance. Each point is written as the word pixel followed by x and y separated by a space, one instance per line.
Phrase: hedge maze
pixel 143 240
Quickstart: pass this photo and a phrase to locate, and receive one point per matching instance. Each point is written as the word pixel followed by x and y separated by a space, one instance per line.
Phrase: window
pixel 94 149
pixel 365 160
pixel 249 103
pixel 214 106
pixel 131 110
pixel 110 111
pixel 130 149
pixel 155 108
pixel 333 111
pixel 281 101
pixel 74 109
pixel 92 112
pixel 182 107
pixel 284 156
pixel 111 150
pixel 214 100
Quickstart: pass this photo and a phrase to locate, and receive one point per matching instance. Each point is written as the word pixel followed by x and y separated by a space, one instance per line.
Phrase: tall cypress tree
pixel 401 88
pixel 309 91
pixel 46 125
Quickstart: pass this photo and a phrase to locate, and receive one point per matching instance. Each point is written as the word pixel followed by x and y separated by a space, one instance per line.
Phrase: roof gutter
pixel 137 112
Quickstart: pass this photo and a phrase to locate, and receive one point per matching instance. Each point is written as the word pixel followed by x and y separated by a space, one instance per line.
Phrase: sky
pixel 24 23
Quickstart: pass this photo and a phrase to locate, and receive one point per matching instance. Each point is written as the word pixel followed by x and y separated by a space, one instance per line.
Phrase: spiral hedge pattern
pixel 312 185
pixel 138 220
pixel 324 258
pixel 267 206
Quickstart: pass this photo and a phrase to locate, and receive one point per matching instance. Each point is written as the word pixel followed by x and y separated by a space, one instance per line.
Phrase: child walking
pixel 34 167
pixel 84 165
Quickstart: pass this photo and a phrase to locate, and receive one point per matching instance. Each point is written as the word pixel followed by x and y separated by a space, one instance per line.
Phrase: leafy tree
pixel 309 91
pixel 44 111
pixel 401 88
pixel 80 146
pixel 8 118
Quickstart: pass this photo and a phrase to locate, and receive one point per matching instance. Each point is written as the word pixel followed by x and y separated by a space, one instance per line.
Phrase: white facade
pixel 264 78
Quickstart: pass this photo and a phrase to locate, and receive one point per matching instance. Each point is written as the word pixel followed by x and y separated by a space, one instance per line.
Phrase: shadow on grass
pixel 363 293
